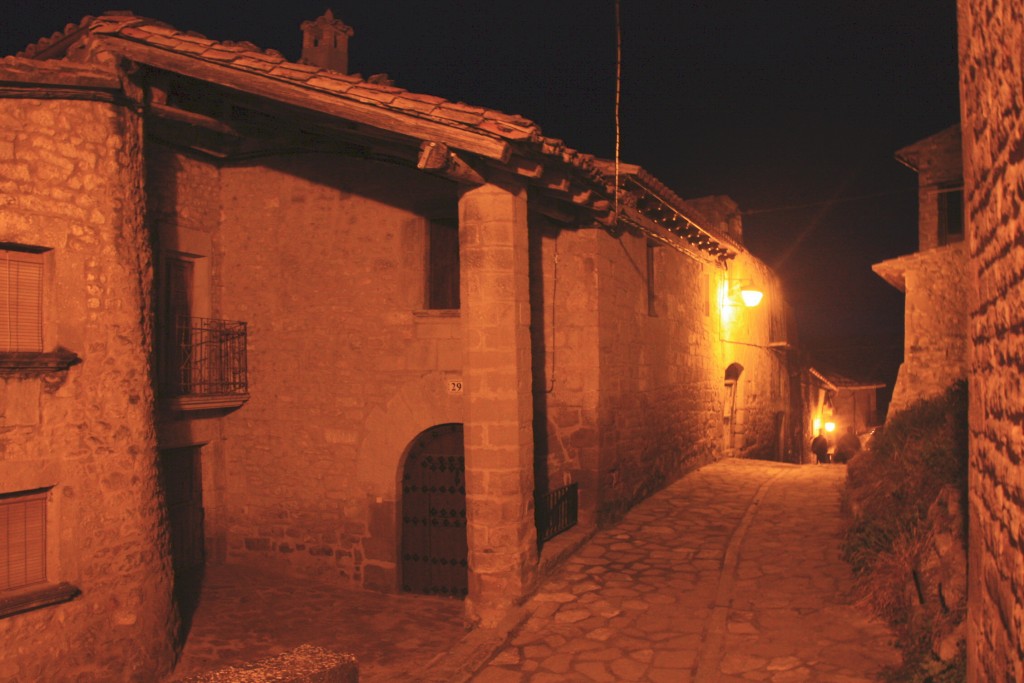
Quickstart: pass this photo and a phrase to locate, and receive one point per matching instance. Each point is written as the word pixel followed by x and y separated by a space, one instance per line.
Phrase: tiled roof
pixel 270 64
pixel 21 69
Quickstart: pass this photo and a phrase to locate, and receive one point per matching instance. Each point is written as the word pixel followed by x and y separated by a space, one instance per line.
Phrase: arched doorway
pixel 730 426
pixel 434 549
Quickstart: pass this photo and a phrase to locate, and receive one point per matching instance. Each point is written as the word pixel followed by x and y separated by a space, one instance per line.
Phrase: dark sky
pixel 777 103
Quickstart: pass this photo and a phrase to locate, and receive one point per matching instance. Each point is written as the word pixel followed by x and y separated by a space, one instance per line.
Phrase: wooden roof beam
pixel 438 158
pixel 336 105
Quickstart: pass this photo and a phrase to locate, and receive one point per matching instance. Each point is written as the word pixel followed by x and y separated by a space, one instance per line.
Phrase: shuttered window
pixel 22 539
pixel 21 301
pixel 443 266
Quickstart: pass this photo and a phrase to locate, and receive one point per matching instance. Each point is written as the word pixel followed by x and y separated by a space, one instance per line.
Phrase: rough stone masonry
pixel 992 113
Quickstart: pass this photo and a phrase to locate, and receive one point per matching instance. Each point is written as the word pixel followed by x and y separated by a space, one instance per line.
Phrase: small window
pixel 22 539
pixel 951 216
pixel 21 299
pixel 443 265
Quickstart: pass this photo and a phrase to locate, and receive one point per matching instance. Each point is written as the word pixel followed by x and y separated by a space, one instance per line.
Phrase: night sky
pixel 777 103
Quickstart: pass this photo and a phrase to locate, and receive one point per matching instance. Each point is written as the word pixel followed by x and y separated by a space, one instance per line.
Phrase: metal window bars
pixel 205 356
pixel 556 511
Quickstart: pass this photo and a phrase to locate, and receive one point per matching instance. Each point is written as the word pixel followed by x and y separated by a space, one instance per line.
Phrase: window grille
pixel 22 539
pixel 205 356
pixel 557 511
pixel 21 301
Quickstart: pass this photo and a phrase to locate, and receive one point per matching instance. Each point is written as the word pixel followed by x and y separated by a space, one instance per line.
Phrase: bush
pixel 901 495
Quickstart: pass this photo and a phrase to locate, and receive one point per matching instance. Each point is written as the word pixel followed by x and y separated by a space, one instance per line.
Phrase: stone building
pixel 275 314
pixel 934 277
pixel 855 403
pixel 991 35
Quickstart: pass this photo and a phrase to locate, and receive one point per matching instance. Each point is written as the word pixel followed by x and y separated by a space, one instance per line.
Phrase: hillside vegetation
pixel 907 535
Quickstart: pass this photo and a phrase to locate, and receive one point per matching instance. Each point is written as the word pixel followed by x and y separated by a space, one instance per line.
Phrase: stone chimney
pixel 325 43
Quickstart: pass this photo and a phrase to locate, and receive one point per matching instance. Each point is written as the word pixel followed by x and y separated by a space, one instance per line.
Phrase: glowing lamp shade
pixel 751 297
pixel 830 426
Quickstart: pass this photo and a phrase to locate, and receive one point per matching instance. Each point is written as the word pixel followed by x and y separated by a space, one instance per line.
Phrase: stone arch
pixel 414 408
pixel 730 423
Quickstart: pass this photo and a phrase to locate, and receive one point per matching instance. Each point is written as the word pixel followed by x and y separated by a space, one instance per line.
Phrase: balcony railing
pixel 557 511
pixel 204 357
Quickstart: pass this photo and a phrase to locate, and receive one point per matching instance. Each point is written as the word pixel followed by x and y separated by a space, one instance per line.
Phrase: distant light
pixel 817 424
pixel 830 426
pixel 751 297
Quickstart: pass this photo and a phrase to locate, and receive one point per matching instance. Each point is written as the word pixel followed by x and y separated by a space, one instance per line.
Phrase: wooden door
pixel 181 480
pixel 434 549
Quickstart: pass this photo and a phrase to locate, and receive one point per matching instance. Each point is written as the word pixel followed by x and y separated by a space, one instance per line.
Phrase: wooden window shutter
pixel 443 266
pixel 22 540
pixel 21 301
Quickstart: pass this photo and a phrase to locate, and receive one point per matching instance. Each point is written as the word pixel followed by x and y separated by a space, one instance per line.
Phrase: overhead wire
pixel 618 99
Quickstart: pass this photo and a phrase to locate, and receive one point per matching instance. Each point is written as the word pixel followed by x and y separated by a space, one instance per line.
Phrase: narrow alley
pixel 731 574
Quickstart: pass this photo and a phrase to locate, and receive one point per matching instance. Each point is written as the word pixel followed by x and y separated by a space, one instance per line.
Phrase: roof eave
pixel 314 99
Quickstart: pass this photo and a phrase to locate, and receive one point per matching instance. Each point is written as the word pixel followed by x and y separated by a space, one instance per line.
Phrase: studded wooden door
pixel 434 546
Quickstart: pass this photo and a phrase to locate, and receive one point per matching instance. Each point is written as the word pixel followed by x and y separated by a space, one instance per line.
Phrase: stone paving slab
pixel 247 614
pixel 732 573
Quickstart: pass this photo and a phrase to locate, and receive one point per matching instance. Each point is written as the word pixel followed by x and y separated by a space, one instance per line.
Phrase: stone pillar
pixel 495 301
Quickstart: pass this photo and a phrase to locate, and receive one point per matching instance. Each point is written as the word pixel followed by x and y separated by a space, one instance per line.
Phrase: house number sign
pixel 454 386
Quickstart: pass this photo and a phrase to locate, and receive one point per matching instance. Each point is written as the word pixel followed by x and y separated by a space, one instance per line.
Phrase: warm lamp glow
pixel 751 297
pixel 830 426
pixel 817 424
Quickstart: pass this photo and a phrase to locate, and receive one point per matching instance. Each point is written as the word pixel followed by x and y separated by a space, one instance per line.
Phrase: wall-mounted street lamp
pixel 745 292
pixel 751 297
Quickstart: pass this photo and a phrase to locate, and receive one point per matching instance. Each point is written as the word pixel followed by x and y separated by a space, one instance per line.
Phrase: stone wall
pixel 71 180
pixel 936 318
pixel 992 114
pixel 563 304
pixel 756 339
pixel 658 376
pixel 326 264
pixel 629 389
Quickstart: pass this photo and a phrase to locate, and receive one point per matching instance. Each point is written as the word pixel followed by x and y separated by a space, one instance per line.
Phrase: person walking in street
pixel 819 446
pixel 847 446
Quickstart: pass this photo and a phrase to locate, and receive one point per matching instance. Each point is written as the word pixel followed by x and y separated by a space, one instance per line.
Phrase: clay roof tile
pixel 163 41
pixel 288 70
pixel 217 54
pixel 463 107
pixel 161 29
pixel 191 48
pixel 374 94
pixel 331 84
pixel 196 38
pixel 461 114
pixel 133 32
pixel 432 100
pixel 249 62
pixel 412 104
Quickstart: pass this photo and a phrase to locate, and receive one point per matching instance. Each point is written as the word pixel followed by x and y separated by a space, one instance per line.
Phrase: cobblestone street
pixel 731 574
